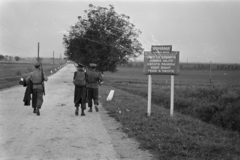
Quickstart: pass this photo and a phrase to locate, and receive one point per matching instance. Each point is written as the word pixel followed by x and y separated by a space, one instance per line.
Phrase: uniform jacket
pixel 36 78
pixel 94 78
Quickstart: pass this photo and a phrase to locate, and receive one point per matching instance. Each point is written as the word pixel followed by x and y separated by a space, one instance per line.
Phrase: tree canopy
pixel 103 37
pixel 17 58
pixel 2 57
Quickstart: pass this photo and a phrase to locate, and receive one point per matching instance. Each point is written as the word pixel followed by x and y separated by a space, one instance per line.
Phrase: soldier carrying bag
pixel 80 79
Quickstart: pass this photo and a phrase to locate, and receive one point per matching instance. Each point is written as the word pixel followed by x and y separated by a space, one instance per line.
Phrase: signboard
pixel 161 61
pixel 161 49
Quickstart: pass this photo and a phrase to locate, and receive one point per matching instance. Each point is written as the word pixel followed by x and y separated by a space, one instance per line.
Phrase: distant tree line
pixel 9 58
pixel 204 66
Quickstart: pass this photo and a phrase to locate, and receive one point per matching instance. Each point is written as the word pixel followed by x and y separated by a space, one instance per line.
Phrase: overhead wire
pixel 23 49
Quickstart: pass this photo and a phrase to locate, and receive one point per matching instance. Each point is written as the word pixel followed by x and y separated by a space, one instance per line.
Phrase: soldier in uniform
pixel 94 79
pixel 37 80
pixel 80 93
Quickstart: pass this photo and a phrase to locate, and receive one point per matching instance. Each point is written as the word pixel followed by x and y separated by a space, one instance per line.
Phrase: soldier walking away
pixel 94 80
pixel 80 93
pixel 37 77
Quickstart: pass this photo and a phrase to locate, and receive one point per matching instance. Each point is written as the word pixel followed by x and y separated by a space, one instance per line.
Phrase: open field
pixel 186 77
pixel 216 102
pixel 10 73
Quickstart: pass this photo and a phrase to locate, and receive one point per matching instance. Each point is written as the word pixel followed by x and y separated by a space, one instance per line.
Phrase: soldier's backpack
pixel 80 79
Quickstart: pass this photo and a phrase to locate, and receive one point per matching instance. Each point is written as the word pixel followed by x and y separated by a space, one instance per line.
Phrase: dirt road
pixel 57 133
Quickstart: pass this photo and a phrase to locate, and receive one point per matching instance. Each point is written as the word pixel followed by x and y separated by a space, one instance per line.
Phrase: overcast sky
pixel 202 31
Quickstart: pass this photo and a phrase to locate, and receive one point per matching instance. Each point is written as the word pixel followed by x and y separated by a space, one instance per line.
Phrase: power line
pixel 15 46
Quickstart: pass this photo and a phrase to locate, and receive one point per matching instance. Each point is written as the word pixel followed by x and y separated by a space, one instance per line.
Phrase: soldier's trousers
pixel 37 98
pixel 83 105
pixel 92 95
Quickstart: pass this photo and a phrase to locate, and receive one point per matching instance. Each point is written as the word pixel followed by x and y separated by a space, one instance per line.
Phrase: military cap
pixel 92 65
pixel 80 65
pixel 37 64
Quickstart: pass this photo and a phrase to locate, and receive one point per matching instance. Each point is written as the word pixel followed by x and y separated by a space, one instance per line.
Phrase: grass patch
pixel 180 137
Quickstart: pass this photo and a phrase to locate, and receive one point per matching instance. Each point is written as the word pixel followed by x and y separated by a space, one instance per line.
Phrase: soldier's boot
pixel 76 112
pixel 90 110
pixel 34 110
pixel 96 108
pixel 37 111
pixel 82 114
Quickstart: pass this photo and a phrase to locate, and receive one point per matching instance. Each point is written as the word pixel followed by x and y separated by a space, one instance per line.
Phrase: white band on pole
pixel 149 94
pixel 172 95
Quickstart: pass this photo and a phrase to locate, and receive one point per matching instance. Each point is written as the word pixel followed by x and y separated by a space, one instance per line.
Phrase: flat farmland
pixel 10 73
pixel 186 77
pixel 216 102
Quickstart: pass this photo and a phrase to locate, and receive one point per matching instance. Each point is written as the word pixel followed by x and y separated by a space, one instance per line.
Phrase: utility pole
pixel 60 60
pixel 53 59
pixel 210 71
pixel 38 51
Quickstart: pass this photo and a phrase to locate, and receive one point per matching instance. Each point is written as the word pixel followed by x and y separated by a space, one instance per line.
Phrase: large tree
pixel 104 37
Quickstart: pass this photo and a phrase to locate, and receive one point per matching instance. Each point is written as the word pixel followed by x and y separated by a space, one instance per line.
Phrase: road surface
pixel 57 133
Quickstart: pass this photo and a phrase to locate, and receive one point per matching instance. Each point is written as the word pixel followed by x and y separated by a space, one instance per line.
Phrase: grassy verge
pixel 180 137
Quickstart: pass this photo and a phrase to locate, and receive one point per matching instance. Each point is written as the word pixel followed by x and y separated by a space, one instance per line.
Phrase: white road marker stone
pixel 110 96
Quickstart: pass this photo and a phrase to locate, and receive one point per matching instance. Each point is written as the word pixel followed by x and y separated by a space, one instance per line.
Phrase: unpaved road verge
pixel 57 133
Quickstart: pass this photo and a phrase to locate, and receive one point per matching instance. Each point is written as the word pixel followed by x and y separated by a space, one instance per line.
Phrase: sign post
pixel 149 94
pixel 161 60
pixel 38 52
pixel 172 96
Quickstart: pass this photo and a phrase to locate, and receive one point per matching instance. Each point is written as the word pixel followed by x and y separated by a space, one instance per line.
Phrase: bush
pixel 206 112
pixel 230 97
pixel 231 118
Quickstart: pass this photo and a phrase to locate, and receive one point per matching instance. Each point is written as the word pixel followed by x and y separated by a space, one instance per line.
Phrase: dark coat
pixel 27 96
pixel 80 93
